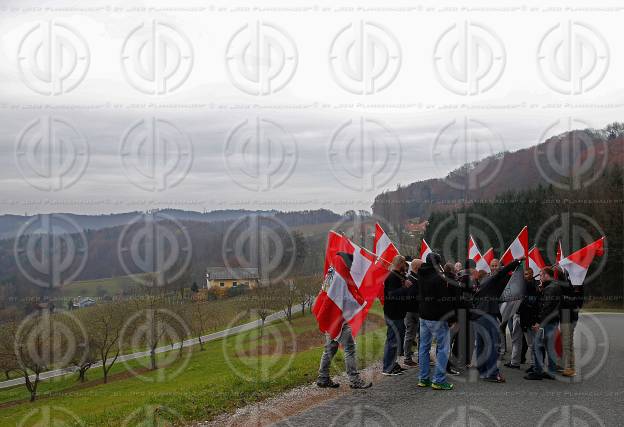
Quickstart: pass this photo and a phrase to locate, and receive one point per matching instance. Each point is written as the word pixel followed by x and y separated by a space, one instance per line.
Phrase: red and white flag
pixel 339 300
pixel 488 256
pixel 383 246
pixel 475 255
pixel 336 242
pixel 424 250
pixel 577 263
pixel 518 248
pixel 536 262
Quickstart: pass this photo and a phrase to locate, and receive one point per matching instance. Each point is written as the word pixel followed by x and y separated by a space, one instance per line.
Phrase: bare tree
pixel 105 324
pixel 199 322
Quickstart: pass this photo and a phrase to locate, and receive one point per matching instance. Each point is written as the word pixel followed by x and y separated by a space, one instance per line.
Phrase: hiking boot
pixel 410 363
pixel 361 385
pixel 424 383
pixel 495 379
pixel 441 386
pixel 327 384
pixel 568 372
pixel 533 376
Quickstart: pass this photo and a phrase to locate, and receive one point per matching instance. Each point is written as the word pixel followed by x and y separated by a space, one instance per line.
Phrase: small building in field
pixel 225 278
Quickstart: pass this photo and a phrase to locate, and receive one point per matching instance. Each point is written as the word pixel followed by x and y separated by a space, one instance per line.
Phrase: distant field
pixel 100 287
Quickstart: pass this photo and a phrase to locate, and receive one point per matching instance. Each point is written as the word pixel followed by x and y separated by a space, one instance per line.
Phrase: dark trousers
pixel 395 334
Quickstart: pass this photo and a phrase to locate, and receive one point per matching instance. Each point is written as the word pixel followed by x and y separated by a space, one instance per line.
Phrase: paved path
pixel 595 398
pixel 190 342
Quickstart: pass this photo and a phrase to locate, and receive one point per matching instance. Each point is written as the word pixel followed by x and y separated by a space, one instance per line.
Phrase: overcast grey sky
pixel 118 106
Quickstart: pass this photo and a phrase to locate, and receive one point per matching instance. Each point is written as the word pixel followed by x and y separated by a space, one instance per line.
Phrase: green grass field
pixel 197 386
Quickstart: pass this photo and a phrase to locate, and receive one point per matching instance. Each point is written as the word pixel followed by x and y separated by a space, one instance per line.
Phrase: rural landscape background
pixel 170 173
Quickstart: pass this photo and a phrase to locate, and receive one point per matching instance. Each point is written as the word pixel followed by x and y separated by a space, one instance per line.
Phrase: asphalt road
pixel 594 398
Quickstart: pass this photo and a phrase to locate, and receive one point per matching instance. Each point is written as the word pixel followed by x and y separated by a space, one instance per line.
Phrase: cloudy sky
pixel 118 106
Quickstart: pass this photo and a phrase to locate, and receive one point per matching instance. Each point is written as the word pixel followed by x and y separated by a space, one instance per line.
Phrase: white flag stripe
pixel 359 267
pixel 382 244
pixel 576 272
pixel 339 293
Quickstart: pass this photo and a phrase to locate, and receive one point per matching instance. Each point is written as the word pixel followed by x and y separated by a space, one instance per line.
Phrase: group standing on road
pixel 459 307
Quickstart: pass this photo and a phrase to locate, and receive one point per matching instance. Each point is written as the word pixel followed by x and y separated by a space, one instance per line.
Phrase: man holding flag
pixel 338 303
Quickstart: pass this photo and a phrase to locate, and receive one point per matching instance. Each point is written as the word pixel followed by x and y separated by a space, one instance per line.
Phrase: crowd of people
pixel 459 307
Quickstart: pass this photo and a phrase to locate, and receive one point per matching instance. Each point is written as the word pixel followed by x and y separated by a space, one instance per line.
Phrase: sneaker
pixel 547 376
pixel 361 385
pixel 394 371
pixel 452 371
pixel 410 363
pixel 530 369
pixel 441 386
pixel 533 376
pixel 511 365
pixel 401 369
pixel 327 384
pixel 568 372
pixel 424 383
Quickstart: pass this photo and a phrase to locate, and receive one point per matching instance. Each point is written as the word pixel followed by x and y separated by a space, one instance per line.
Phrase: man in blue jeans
pixel 395 294
pixel 429 329
pixel 437 308
pixel 545 325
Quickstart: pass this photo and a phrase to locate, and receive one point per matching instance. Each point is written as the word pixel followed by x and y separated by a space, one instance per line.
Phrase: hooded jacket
pixel 438 296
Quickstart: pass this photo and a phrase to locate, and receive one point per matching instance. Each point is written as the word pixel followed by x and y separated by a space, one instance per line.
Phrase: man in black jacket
pixel 487 312
pixel 545 325
pixel 395 295
pixel 436 309
pixel 412 320
pixel 528 313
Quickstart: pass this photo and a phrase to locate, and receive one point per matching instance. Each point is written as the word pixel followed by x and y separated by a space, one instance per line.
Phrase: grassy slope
pixel 207 385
